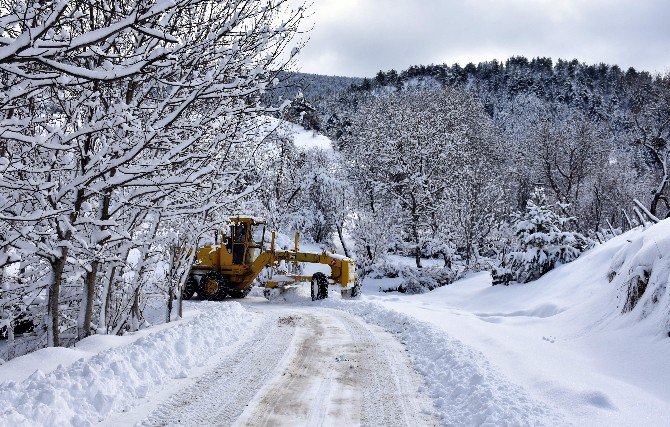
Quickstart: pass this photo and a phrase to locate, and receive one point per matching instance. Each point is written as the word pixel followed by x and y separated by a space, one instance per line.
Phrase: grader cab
pixel 229 268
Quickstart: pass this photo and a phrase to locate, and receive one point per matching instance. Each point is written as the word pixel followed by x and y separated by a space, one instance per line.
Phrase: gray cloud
pixel 359 37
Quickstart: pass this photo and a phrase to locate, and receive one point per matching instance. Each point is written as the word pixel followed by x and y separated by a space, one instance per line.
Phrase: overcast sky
pixel 360 37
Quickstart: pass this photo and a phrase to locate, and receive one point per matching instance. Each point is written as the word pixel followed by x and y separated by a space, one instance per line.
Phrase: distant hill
pixel 601 90
pixel 313 86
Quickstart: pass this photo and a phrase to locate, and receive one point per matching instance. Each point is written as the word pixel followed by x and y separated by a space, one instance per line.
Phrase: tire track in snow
pixel 220 396
pixel 344 373
pixel 305 366
pixel 391 385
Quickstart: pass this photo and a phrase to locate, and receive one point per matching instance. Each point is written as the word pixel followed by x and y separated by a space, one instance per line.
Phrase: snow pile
pixel 641 271
pixel 465 388
pixel 89 390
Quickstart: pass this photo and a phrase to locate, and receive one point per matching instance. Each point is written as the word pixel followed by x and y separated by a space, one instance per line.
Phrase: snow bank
pixel 303 139
pixel 89 390
pixel 465 388
pixel 641 272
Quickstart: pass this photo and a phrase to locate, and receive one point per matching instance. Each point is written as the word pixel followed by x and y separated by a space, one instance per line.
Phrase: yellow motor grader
pixel 229 268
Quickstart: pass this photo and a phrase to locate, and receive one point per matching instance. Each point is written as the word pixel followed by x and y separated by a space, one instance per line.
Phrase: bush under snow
pixel 641 270
pixel 410 279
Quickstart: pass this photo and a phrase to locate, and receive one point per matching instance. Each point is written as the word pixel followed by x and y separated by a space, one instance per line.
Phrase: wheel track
pixel 389 397
pixel 324 367
pixel 221 395
pixel 345 372
pixel 275 399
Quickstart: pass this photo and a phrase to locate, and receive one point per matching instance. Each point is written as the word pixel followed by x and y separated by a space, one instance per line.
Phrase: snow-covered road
pixel 302 365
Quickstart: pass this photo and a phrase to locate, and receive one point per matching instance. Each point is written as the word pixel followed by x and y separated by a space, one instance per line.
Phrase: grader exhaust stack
pixel 229 269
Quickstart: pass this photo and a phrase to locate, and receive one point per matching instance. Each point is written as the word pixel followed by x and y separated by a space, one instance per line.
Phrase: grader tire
pixel 213 287
pixel 190 288
pixel 319 286
pixel 239 294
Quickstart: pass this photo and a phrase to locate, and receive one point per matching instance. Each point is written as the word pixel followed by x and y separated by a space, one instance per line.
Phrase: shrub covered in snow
pixel 542 243
pixel 641 270
pixel 501 275
pixel 412 280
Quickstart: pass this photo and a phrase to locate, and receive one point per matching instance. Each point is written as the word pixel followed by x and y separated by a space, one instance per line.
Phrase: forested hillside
pixel 440 158
pixel 314 87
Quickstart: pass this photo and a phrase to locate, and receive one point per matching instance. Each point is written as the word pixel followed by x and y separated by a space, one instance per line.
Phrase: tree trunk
pixel 6 313
pixel 415 231
pixel 90 293
pixel 135 311
pixel 91 276
pixel 168 314
pixel 180 306
pixel 447 260
pixel 417 256
pixel 10 340
pixel 344 245
pixel 104 302
pixel 57 266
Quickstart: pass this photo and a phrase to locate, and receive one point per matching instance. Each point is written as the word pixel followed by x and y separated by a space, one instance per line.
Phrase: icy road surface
pixel 303 365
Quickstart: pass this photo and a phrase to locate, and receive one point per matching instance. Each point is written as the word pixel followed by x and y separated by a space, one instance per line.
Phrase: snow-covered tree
pixel 650 109
pixel 411 150
pixel 542 240
pixel 300 111
pixel 303 189
pixel 118 135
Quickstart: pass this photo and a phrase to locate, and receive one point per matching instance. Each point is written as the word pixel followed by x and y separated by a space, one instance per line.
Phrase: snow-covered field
pixel 557 351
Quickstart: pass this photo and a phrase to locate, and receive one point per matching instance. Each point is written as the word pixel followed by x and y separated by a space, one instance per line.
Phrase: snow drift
pixel 641 272
pixel 89 390
pixel 561 343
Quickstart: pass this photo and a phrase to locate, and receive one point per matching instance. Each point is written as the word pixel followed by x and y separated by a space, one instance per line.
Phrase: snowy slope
pixel 302 138
pixel 562 338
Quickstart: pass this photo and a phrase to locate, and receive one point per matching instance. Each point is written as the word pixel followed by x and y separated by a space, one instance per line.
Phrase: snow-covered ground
pixel 302 138
pixel 557 351
pixel 106 375
pixel 561 339
pixel 254 363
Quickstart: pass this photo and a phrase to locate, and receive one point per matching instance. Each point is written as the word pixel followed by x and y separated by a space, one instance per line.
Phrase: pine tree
pixel 542 243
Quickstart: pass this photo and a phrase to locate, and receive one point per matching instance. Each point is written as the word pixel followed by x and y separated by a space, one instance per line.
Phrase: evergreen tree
pixel 542 243
pixel 301 112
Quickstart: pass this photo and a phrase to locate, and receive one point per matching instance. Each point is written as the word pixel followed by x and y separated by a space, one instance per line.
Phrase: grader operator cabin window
pixel 257 241
pixel 239 242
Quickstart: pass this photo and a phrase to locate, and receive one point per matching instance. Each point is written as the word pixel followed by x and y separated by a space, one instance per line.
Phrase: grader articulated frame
pixel 229 269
